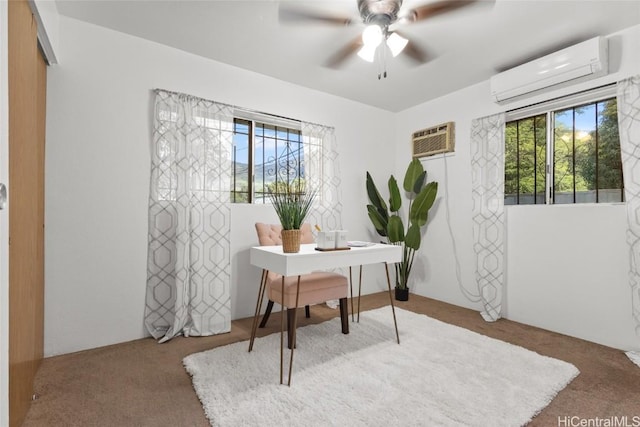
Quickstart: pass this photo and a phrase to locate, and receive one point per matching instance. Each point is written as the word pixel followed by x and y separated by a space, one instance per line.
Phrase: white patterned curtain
pixel 487 180
pixel 628 96
pixel 322 174
pixel 188 266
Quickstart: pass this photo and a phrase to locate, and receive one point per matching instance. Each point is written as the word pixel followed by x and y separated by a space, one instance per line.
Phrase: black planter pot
pixel 402 294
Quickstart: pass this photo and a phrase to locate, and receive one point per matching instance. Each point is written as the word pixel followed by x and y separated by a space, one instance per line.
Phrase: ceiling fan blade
pixel 300 16
pixel 416 53
pixel 437 8
pixel 338 58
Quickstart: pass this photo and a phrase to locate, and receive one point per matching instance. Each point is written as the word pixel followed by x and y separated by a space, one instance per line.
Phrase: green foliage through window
pixel 582 162
pixel 525 161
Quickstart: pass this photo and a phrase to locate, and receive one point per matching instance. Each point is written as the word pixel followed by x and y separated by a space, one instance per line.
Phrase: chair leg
pixel 291 314
pixel 267 313
pixel 344 315
pixel 306 312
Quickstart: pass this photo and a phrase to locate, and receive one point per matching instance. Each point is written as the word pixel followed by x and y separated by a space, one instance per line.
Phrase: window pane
pixel 263 154
pixel 540 127
pixel 240 162
pixel 265 158
pixel 585 162
pixel 242 126
pixel 525 154
pixel 279 161
pixel 585 154
pixel 588 168
pixel 511 164
pixel 609 173
pixel 563 165
pixel 526 157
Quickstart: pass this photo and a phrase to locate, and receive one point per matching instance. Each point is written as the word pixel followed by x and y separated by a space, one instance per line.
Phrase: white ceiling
pixel 469 45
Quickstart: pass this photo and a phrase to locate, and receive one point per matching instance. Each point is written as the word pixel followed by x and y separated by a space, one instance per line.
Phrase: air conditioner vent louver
pixel 434 140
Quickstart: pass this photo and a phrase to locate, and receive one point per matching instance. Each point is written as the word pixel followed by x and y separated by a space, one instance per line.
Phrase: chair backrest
pixel 269 234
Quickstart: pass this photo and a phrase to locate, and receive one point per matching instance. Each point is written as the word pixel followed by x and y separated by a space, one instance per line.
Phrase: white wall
pixel 97 174
pixel 566 265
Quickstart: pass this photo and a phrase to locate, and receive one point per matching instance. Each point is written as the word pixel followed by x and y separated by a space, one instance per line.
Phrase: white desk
pixel 271 258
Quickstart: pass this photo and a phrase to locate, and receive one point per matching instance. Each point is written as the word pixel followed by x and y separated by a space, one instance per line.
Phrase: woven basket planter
pixel 290 241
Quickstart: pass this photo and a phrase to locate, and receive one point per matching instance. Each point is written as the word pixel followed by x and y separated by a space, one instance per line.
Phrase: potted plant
pixel 389 224
pixel 292 208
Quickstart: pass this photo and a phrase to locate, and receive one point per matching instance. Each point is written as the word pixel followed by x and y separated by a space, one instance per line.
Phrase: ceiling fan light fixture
pixel 396 43
pixel 368 52
pixel 372 36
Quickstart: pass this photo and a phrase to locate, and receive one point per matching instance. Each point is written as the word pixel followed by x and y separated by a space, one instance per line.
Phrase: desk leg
pixel 295 318
pixel 281 329
pixel 351 288
pixel 393 310
pixel 359 291
pixel 254 327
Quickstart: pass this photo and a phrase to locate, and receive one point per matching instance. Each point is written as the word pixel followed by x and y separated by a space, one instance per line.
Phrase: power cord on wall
pixel 469 295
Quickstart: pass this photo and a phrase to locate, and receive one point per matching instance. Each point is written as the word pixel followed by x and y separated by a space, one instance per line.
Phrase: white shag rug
pixel 634 356
pixel 440 375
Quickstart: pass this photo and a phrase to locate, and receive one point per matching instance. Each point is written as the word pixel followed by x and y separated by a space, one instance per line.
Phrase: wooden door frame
pixel 27 127
pixel 46 16
pixel 4 218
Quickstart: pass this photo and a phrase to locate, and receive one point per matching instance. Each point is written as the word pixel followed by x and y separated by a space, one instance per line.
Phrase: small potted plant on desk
pixel 388 223
pixel 292 208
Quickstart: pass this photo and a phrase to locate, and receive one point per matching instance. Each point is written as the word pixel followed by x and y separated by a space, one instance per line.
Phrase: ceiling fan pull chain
pixel 384 62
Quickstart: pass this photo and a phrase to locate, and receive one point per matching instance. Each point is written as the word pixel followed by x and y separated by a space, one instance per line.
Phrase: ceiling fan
pixel 381 19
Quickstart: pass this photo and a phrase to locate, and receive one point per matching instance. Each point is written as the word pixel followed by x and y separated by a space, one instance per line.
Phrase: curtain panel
pixel 628 98
pixel 322 174
pixel 487 181
pixel 189 262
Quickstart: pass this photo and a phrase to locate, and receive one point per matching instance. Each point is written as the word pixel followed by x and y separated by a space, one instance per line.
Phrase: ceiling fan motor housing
pixel 379 12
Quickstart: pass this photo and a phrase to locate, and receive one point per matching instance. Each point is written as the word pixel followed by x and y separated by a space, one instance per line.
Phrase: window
pixel 525 161
pixel 564 156
pixel 241 184
pixel 265 158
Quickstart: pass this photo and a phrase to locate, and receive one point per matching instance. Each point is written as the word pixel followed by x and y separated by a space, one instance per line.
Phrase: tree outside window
pixel 582 161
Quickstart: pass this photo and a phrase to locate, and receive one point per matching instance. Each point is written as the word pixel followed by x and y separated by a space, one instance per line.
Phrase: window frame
pixel 233 191
pixel 549 108
pixel 265 120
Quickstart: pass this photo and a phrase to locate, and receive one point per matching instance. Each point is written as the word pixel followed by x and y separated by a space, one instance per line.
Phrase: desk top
pixel 308 259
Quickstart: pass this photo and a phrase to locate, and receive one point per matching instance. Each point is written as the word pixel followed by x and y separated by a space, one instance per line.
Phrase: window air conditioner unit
pixel 434 140
pixel 586 59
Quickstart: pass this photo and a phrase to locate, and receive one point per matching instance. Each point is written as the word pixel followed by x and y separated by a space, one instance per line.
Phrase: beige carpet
pixel 142 383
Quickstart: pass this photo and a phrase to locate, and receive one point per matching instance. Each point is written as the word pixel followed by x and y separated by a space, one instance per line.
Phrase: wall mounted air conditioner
pixel 434 140
pixel 586 59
